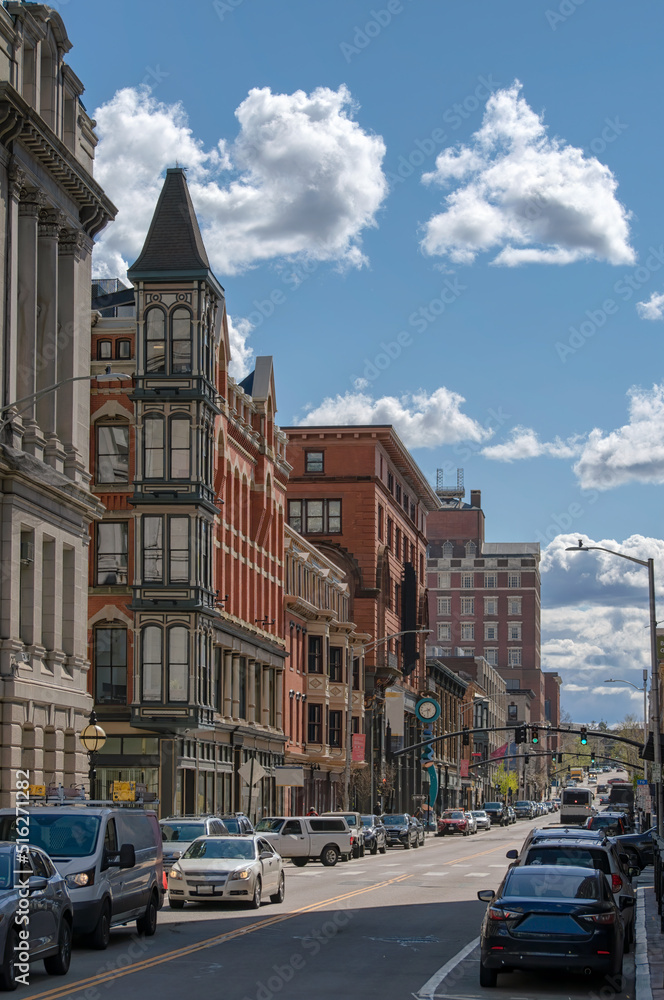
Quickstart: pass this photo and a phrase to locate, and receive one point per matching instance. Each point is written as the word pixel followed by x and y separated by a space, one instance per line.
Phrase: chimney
pixel 476 498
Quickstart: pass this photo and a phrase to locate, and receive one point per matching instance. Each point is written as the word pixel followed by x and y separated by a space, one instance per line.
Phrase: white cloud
pixel 242 355
pixel 653 308
pixel 576 687
pixel 633 452
pixel 301 177
pixel 524 443
pixel 421 420
pixel 537 198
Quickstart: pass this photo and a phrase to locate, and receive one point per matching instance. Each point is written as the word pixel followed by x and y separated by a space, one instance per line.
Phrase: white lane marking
pixel 476 875
pixel 462 866
pixel 429 864
pixel 393 864
pixel 428 991
pixel 497 866
pixel 435 873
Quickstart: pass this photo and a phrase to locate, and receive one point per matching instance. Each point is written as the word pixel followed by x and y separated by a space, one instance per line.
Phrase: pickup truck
pixel 308 838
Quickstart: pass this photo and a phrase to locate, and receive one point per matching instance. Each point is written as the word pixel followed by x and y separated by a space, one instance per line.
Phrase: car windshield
pixel 186 832
pixel 493 805
pixel 232 825
pixel 62 835
pixel 269 825
pixel 524 803
pixel 453 814
pixel 367 821
pixel 221 847
pixel 479 813
pixel 394 820
pixel 528 882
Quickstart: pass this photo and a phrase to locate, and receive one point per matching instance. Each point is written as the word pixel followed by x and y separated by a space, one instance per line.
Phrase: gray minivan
pixel 111 860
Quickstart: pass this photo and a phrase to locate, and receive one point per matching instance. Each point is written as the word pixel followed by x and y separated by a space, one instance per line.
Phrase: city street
pixel 395 926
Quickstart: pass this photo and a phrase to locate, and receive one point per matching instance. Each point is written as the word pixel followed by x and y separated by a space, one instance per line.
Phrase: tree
pixel 506 781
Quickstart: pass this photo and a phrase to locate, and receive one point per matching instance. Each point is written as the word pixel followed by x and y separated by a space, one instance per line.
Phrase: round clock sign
pixel 427 710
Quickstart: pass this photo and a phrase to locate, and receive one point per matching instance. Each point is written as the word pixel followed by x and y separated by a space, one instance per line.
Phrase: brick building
pixel 186 568
pixel 356 493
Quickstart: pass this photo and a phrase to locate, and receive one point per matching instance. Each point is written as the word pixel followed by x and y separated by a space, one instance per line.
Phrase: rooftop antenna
pixel 448 496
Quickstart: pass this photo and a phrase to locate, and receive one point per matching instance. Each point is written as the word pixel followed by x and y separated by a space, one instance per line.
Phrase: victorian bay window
pixel 153 446
pixel 177 549
pixel 175 644
pixel 155 341
pixel 180 341
pixel 151 656
pixel 180 447
pixel 110 665
pixel 156 443
pixel 178 664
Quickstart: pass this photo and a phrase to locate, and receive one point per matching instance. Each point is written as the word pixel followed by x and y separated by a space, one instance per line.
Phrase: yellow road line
pixel 70 988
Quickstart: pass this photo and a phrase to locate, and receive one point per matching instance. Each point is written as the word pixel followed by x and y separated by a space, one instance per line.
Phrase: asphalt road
pixel 395 926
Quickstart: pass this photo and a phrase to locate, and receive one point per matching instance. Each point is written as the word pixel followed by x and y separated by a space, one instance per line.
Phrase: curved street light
pixel 654 669
pixel 619 680
pixel 25 401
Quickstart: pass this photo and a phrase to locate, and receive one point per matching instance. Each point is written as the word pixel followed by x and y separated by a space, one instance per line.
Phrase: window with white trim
pixel 514 606
pixel 444 605
pixel 490 605
pixel 490 580
pixel 467 581
pixel 513 657
pixel 444 632
pixel 444 581
pixel 471 550
pixel 467 605
pixel 514 631
pixel 491 656
pixel 467 631
pixel 513 579
pixel 491 630
pixel 448 550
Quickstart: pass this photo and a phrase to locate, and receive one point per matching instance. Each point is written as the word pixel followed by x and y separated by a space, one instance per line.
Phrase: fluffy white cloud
pixel 653 308
pixel 523 442
pixel 538 199
pixel 421 420
pixel 301 177
pixel 242 355
pixel 633 452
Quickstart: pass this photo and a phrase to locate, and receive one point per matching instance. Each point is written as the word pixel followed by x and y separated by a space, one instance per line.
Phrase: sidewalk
pixel 649 950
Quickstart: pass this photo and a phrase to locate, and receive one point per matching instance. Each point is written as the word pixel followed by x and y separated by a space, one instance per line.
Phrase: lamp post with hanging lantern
pixel 93 738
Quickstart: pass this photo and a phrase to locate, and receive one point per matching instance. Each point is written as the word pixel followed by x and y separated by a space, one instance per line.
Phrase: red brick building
pixel 357 494
pixel 186 568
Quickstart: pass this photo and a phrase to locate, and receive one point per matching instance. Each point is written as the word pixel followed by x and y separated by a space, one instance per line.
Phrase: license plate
pixel 206 889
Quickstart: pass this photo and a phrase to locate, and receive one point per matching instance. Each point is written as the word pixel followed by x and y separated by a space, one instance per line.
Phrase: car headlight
pixel 175 873
pixel 80 879
pixel 244 873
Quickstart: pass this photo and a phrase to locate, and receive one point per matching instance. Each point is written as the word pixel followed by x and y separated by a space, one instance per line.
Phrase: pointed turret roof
pixel 174 245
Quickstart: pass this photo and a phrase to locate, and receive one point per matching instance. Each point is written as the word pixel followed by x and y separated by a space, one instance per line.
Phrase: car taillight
pixel 495 913
pixel 616 882
pixel 599 918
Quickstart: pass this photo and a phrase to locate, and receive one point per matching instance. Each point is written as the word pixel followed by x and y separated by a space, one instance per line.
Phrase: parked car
pixel 555 832
pixel 638 847
pixel 604 800
pixel 537 909
pixel 232 869
pixel 482 820
pixel 496 812
pixel 110 858
pixel 48 933
pixel 178 832
pixel 511 814
pixel 470 819
pixel 238 825
pixel 421 837
pixel 453 821
pixel 356 826
pixel 600 855
pixel 400 830
pixel 308 838
pixel 612 824
pixel 524 809
pixel 375 834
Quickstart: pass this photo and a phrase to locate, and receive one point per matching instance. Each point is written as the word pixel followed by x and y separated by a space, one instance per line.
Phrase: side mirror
pixel 127 856
pixel 486 895
pixel 513 854
pixel 175 855
pixel 633 871
pixel 627 901
pixel 264 855
pixel 37 884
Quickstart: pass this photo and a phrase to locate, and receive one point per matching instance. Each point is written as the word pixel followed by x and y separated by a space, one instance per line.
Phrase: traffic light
pixel 553 758
pixel 534 737
pixel 560 758
pixel 592 758
pixel 466 736
pixel 584 735
pixel 520 734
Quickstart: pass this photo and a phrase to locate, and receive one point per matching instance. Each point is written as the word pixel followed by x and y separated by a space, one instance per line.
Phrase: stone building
pixel 189 556
pixel 50 212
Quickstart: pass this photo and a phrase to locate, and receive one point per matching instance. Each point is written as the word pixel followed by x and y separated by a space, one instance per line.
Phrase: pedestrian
pixel 312 812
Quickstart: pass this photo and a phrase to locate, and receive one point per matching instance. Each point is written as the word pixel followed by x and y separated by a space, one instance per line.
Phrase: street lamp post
pixel 618 680
pixel 654 668
pixel 364 648
pixel 93 738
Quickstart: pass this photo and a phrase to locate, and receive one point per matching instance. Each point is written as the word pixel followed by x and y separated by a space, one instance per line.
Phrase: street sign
pixel 252 772
pixel 656 772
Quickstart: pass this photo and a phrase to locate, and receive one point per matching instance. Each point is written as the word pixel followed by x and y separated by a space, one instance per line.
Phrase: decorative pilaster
pixel 72 246
pixel 29 209
pixel 47 321
pixel 265 697
pixel 236 686
pixel 228 680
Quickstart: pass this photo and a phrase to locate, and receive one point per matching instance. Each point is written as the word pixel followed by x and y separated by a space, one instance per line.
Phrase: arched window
pixel 448 550
pixel 153 446
pixel 471 549
pixel 123 349
pixel 180 341
pixel 180 447
pixel 151 654
pixel 178 663
pixel 155 341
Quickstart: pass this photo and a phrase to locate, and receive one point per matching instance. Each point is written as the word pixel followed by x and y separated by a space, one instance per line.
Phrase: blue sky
pixel 488 310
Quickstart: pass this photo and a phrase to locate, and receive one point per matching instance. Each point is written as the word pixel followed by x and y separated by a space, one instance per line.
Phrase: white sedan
pixel 227 869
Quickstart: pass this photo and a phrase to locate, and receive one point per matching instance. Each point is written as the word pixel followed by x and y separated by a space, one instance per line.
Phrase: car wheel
pixel 329 856
pixel 629 939
pixel 374 849
pixel 58 965
pixel 176 904
pixel 278 896
pixel 362 851
pixel 383 849
pixel 488 977
pixel 255 902
pixel 8 969
pixel 618 968
pixel 407 845
pixel 101 935
pixel 356 853
pixel 417 842
pixel 147 924
pixel 299 862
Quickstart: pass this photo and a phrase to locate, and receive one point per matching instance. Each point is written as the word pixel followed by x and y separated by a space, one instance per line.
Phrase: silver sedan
pixel 482 820
pixel 229 870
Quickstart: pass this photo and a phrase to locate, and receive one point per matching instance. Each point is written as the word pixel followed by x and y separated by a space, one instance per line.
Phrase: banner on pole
pixel 357 746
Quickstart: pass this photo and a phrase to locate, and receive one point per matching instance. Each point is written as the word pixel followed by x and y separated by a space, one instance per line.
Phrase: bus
pixel 577 773
pixel 576 805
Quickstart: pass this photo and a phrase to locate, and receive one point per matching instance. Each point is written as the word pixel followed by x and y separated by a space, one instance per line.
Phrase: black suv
pixel 400 830
pixel 238 825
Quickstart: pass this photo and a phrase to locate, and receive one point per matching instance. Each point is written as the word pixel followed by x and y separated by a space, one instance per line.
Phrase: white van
pixel 308 838
pixel 111 860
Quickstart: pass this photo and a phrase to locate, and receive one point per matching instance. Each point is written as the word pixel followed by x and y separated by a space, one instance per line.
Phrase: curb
pixel 643 988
